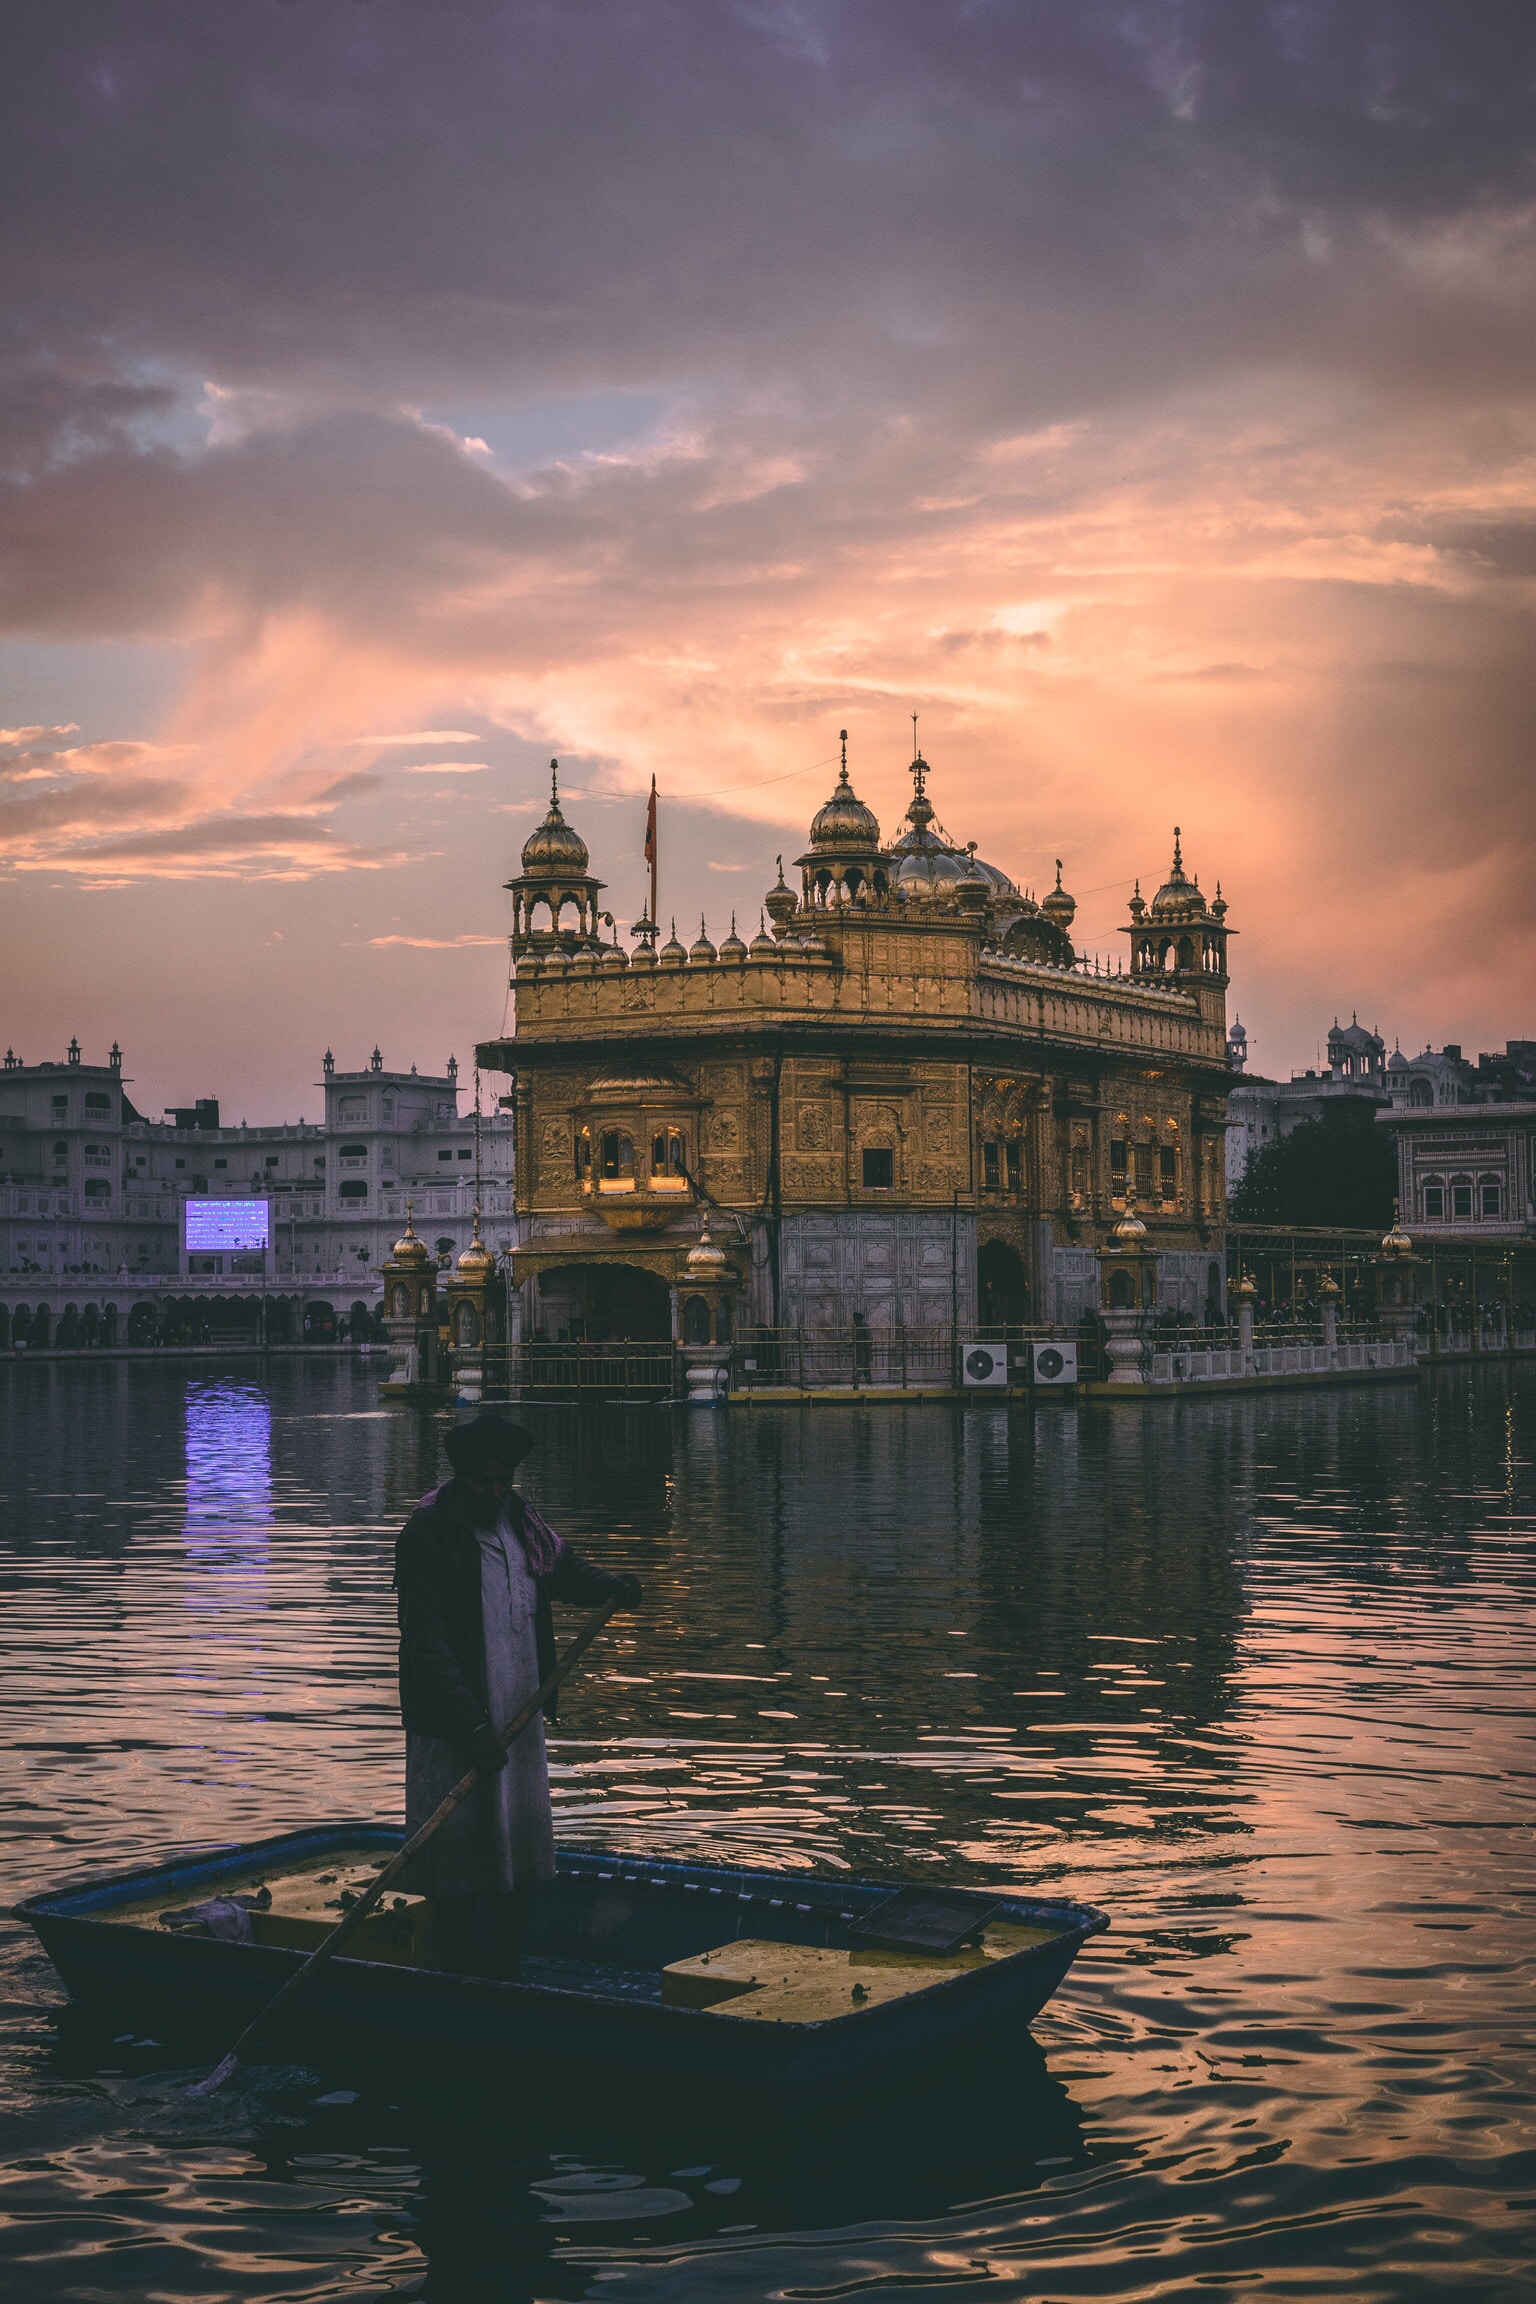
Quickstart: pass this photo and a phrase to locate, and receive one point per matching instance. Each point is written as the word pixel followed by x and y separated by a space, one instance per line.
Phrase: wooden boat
pixel 662 1970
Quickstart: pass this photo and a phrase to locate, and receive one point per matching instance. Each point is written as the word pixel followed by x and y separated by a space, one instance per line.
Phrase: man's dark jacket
pixel 442 1630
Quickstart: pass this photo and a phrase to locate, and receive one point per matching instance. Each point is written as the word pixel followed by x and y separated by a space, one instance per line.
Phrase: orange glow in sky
pixel 397 398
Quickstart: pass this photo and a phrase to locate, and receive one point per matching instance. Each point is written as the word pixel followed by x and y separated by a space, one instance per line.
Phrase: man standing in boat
pixel 476 1570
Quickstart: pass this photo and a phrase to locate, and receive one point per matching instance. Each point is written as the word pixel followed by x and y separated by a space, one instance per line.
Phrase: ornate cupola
pixel 554 897
pixel 1178 934
pixel 844 863
pixel 1059 908
pixel 781 905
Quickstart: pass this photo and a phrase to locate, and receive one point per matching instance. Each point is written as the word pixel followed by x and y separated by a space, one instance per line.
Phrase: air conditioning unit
pixel 984 1363
pixel 1053 1363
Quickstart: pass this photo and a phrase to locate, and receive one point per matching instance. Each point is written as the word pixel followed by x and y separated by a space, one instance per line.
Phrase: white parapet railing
pixel 1205 1363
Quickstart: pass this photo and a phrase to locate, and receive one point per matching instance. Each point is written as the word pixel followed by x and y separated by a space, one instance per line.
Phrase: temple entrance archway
pixel 1002 1286
pixel 603 1304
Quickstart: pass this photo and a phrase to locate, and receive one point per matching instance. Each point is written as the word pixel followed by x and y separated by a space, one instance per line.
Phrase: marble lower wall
pixel 914 1269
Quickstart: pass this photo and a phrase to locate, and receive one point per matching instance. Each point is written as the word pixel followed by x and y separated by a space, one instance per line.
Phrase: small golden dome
pixel 408 1249
pixel 1396 1242
pixel 1058 906
pixel 704 1261
pixel 844 821
pixel 553 848
pixel 1179 897
pixel 1130 1231
pixel 477 1259
pixel 1246 1289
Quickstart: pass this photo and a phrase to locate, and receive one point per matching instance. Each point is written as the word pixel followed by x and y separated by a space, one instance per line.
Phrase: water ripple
pixel 1254 1674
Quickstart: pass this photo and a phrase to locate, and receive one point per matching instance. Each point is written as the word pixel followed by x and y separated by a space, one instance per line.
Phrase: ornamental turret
pixel 1178 936
pixel 554 897
pixel 844 863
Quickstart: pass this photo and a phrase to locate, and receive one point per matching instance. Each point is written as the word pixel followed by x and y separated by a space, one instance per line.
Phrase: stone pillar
pixel 709 1279
pixel 1396 1284
pixel 1125 1336
pixel 410 1316
pixel 1245 1294
pixel 476 1300
pixel 1329 1291
pixel 1127 1282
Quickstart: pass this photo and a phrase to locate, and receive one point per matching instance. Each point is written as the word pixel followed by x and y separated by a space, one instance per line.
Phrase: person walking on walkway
pixel 476 1572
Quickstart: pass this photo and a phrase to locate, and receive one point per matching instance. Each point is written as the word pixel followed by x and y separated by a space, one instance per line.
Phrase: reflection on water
pixel 228 1491
pixel 1253 1674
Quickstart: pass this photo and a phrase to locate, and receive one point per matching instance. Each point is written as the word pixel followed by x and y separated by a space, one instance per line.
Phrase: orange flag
pixel 650 843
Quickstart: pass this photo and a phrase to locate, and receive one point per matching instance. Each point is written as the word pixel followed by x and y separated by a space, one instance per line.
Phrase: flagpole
pixel 651 846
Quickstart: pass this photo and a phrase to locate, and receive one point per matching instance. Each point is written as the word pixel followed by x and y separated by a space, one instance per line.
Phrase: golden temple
pixel 906 1101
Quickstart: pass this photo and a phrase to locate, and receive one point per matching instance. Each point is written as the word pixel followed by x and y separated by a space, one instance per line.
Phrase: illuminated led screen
pixel 218 1226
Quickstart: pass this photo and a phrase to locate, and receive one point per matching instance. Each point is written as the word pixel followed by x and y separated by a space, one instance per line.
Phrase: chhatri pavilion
pixel 906 1101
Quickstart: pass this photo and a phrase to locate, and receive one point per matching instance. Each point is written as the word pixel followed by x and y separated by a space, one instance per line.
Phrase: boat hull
pixel 595 2012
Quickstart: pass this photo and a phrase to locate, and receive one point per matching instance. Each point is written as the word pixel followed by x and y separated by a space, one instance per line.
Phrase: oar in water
pixel 366 1903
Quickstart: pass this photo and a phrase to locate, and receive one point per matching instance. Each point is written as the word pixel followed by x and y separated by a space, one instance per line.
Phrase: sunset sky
pixel 399 392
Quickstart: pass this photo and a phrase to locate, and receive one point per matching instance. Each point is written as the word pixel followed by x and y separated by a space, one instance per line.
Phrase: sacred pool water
pixel 1255 1675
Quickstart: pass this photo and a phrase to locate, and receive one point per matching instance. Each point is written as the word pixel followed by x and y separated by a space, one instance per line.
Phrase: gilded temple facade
pixel 907 1101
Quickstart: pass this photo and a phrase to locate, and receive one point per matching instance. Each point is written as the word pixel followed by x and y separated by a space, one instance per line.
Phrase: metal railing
pixel 583 1370
pixel 896 1359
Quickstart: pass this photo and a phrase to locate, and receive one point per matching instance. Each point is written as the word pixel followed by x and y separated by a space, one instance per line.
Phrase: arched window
pixel 354 1155
pixel 617 1156
pixel 583 1157
pixel 400 1302
pixel 1420 1094
pixel 695 1321
pixel 1490 1195
pixel 1186 952
pixel 466 1327
pixel 352 1191
pixel 97 1100
pixel 1122 1295
pixel 97 1188
pixel 1434 1197
pixel 669 1160
pixel 723 1321
pixel 1461 1196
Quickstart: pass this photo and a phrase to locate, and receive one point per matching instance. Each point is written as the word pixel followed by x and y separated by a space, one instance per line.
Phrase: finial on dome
pixel 919 766
pixel 1178 853
pixel 554 783
pixel 843 740
pixel 1058 871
